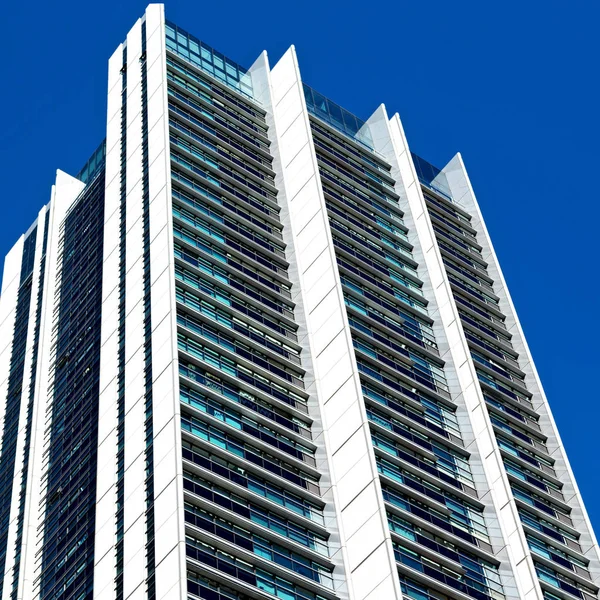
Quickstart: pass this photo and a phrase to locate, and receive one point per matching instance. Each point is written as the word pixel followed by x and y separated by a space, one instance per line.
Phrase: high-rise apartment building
pixel 257 349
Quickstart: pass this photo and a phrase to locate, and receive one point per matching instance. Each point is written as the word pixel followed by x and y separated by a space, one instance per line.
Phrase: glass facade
pixel 225 395
pixel 337 116
pixel 67 551
pixel 412 416
pixel 244 408
pixel 536 486
pixel 209 60
pixel 94 164
pixel 431 176
pixel 14 392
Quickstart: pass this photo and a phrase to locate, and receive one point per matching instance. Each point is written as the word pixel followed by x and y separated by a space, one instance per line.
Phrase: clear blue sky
pixel 512 85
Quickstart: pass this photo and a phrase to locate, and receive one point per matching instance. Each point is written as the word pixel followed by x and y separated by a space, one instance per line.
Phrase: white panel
pixel 374 572
pixel 163 400
pixel 476 430
pixel 64 193
pixel 328 354
pixel 384 590
pixel 114 74
pixel 134 162
pixel 25 391
pixel 156 138
pixel 170 568
pixel 369 536
pixel 112 190
pixel 167 531
pixel 346 425
pixel 12 270
pixel 170 582
pixel 104 574
pixel 134 559
pixel 463 194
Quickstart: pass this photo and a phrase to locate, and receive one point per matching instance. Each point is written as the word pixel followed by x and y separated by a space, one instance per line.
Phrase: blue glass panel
pixel 212 62
pixel 431 176
pixel 337 117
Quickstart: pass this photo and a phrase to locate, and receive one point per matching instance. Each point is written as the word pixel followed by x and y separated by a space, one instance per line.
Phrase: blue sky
pixel 511 85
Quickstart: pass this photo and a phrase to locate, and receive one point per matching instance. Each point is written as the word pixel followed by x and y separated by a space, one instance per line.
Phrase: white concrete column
pixel 25 393
pixel 134 540
pixel 365 556
pixel 260 75
pixel 168 468
pixel 462 193
pixel 106 484
pixel 64 193
pixel 168 483
pixel 8 306
pixel 507 537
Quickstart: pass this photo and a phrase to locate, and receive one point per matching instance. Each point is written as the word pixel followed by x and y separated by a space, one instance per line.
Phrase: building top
pixel 235 76
pixel 338 117
pixel 432 177
pixel 208 59
pixel 93 165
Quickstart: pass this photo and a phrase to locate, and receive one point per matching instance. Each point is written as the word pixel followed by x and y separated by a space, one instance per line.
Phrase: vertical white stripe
pixel 168 476
pixel 366 551
pixel 8 308
pixel 32 484
pixel 25 391
pixel 64 193
pixel 134 543
pixel 260 77
pixel 168 483
pixel 462 193
pixel 106 488
pixel 476 430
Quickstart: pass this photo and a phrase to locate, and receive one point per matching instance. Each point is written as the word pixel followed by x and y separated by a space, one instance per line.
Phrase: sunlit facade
pixel 256 349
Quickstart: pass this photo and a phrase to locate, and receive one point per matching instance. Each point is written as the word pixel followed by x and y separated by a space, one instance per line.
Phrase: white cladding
pixel 168 482
pixel 462 192
pixel 63 194
pixel 349 472
pixel 355 513
pixel 486 463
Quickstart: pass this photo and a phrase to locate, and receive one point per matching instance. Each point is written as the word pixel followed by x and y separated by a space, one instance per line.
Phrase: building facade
pixel 258 349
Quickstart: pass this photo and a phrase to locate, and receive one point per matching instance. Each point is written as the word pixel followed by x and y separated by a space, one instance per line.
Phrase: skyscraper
pixel 257 348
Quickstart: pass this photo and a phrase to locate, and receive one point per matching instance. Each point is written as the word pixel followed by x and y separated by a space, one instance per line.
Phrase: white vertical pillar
pixel 462 193
pixel 25 392
pixel 260 76
pixel 64 193
pixel 168 482
pixel 508 540
pixel 366 551
pixel 134 539
pixel 106 484
pixel 28 538
pixel 168 469
pixel 8 306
